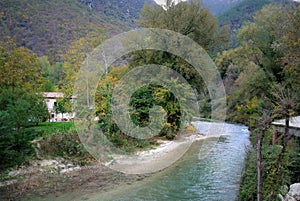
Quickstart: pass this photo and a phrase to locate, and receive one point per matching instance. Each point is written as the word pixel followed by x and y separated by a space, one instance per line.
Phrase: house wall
pixel 292 131
pixel 50 104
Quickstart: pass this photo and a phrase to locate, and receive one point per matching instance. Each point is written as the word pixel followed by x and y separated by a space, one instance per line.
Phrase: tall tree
pixel 75 57
pixel 262 125
pixel 266 55
pixel 188 18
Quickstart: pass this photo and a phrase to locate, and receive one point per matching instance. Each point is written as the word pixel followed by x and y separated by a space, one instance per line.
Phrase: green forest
pixel 255 46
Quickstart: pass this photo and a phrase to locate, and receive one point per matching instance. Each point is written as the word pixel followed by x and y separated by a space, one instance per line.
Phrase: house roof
pixel 294 122
pixel 53 94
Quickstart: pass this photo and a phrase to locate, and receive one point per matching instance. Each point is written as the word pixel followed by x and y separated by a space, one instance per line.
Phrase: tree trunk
pixel 275 138
pixel 259 164
pixel 285 140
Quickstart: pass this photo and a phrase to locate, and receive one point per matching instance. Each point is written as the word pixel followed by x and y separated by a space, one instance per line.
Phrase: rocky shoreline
pixel 38 182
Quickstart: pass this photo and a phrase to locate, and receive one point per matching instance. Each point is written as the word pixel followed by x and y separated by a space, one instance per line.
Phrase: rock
pixel 289 198
pixel 294 193
pixel 70 165
pixel 7 183
pixel 49 163
pixel 70 169
pixel 62 166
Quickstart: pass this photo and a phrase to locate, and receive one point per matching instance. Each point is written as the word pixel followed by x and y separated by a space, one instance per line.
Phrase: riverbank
pixel 56 176
pixel 153 160
pixel 38 184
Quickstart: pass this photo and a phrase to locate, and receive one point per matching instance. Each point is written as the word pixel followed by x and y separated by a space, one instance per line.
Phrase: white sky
pixel 162 2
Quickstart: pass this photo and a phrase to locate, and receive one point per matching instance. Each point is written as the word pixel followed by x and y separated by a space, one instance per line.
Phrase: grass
pixel 50 128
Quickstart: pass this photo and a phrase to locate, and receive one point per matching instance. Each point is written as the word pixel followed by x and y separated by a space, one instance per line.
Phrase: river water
pixel 211 170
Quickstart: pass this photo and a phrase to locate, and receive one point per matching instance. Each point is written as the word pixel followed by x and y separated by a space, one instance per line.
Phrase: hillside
pixel 244 11
pixel 217 7
pixel 123 10
pixel 48 27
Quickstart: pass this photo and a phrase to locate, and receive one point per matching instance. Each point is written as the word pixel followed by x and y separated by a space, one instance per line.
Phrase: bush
pixel 66 145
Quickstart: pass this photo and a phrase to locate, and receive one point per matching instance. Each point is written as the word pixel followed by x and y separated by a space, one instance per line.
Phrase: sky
pixel 162 2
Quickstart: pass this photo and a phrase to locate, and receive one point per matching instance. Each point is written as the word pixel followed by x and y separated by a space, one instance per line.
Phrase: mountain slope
pixel 244 11
pixel 123 10
pixel 48 27
pixel 217 7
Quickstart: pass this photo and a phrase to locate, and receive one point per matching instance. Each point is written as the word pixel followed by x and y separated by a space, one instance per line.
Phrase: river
pixel 211 170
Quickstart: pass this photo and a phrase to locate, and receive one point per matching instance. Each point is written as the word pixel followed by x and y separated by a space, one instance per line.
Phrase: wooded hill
pixel 48 27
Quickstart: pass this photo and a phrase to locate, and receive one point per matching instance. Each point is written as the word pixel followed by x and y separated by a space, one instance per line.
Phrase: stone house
pixel 51 99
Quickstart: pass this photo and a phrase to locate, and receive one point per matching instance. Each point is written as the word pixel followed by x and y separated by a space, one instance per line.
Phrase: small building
pixel 294 126
pixel 51 102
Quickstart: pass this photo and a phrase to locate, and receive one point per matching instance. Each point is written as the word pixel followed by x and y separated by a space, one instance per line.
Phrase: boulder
pixel 294 193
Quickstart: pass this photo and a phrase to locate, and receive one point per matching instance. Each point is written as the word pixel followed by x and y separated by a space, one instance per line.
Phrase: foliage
pixel 103 111
pixel 18 111
pixel 122 14
pixel 190 129
pixel 74 58
pixel 51 25
pixel 251 69
pixel 141 102
pixel 67 145
pixel 19 67
pixel 294 161
pixel 241 12
pixel 148 96
pixel 257 76
pixel 218 7
pixel 53 75
pixel 250 111
pixel 274 177
pixel 63 105
pixel 188 18
pixel 289 44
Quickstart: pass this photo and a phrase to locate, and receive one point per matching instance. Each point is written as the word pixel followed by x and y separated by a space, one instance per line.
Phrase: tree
pixel 284 104
pixel 62 106
pixel 53 75
pixel 74 59
pixel 258 62
pixel 188 18
pixel 263 122
pixel 20 68
pixel 289 43
pixel 19 110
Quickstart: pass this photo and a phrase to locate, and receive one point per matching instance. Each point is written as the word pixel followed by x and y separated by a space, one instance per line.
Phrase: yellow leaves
pixel 190 129
pixel 19 68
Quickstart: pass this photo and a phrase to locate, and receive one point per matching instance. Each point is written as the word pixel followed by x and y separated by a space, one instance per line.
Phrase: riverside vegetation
pixel 260 71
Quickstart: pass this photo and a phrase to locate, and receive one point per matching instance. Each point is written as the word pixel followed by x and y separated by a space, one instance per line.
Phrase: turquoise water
pixel 210 170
